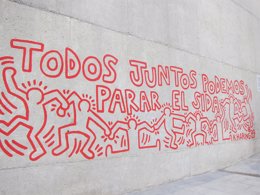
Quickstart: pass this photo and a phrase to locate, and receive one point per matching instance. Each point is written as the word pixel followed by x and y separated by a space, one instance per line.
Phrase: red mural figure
pixel 142 135
pixel 232 111
pixel 199 128
pixel 168 120
pixel 118 140
pixel 137 135
pixel 35 99
pixel 83 116
pixel 148 136
pixel 247 113
pixel 217 127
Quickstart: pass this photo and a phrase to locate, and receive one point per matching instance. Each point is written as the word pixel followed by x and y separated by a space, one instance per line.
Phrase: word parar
pixel 126 101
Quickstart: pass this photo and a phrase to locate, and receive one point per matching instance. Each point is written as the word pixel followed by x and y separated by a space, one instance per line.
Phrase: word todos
pixel 53 63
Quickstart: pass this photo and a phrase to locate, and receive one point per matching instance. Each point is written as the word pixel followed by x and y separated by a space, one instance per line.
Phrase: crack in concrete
pixel 240 173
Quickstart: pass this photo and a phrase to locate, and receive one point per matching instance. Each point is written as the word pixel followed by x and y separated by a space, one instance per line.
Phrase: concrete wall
pixel 213 37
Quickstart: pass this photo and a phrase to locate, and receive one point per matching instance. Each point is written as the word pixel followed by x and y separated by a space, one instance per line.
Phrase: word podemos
pixel 94 110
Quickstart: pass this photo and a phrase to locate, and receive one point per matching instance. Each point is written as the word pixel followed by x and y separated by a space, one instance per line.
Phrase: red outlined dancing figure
pixel 34 99
pixel 199 121
pixel 83 116
pixel 232 114
pixel 134 127
pixel 168 120
pixel 118 140
pixel 247 113
pixel 148 137
pixel 217 126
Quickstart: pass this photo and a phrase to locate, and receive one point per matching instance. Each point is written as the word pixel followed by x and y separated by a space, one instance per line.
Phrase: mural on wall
pixel 38 119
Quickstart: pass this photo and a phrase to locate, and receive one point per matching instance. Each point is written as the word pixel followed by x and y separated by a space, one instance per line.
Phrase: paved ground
pixel 242 178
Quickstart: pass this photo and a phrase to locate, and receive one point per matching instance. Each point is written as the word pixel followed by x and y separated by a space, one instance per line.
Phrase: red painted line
pixel 50 138
pixel 24 86
pixel 51 144
pixel 74 148
pixel 122 141
pixel 78 147
pixel 19 145
pixel 143 138
pixel 146 138
pixel 100 154
pixel 7 109
pixel 4 150
pixel 96 147
pixel 8 101
pixel 49 132
pixel 99 149
pixel 7 62
pixel 165 142
pixel 6 57
pixel 29 83
pixel 14 149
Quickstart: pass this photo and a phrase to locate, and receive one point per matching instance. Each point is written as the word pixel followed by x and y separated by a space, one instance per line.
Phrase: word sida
pixel 205 102
pixel 53 63
pixel 38 120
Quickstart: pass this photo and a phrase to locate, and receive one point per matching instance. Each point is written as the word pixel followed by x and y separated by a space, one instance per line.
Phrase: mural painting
pixel 38 119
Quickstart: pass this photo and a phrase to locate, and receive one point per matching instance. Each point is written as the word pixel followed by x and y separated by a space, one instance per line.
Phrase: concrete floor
pixel 242 178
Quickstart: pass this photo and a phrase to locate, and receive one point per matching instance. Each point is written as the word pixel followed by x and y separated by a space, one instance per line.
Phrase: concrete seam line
pixel 245 9
pixel 240 173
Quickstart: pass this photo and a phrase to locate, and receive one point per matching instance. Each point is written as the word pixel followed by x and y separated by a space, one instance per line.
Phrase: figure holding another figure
pixel 35 99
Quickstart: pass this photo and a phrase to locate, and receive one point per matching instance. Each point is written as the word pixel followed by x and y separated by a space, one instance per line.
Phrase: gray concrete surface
pixel 241 178
pixel 210 36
